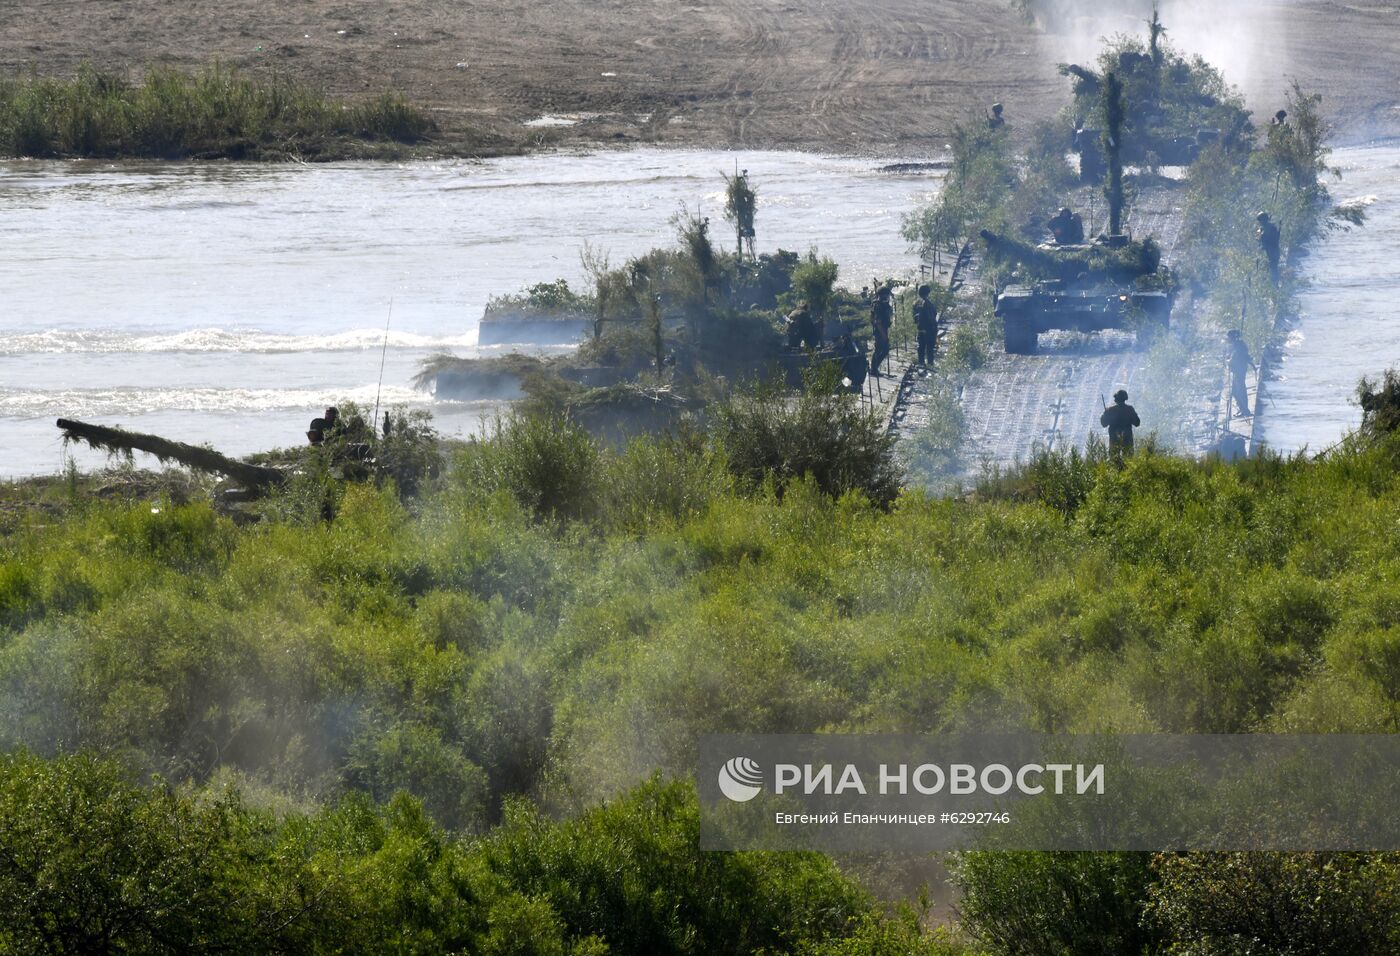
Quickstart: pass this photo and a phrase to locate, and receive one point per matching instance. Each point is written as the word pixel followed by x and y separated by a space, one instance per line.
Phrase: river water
pixel 1349 326
pixel 229 303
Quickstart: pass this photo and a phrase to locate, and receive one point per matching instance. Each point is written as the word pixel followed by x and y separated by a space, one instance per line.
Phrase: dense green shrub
pixel 1051 904
pixel 543 300
pixel 1380 404
pixel 457 646
pixel 545 461
pixel 814 281
pixel 1231 904
pixel 91 862
pixel 630 873
pixel 768 436
pixel 674 477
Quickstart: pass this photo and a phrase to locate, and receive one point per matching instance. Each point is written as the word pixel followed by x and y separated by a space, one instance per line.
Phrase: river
pixel 1348 325
pixel 229 303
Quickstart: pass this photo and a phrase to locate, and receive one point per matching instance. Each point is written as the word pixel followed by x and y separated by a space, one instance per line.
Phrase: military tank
pixel 1028 310
pixel 1085 287
pixel 1162 150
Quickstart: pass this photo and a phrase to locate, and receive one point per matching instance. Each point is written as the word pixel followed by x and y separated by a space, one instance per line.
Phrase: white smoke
pixel 1244 39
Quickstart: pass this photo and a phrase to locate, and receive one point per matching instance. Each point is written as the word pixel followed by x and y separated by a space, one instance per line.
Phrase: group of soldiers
pixel 804 331
pixel 328 426
pixel 351 436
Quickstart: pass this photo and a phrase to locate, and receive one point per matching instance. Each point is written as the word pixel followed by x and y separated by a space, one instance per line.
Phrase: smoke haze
pixel 1244 40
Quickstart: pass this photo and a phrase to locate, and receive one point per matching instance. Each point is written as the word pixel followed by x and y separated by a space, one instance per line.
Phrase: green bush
pixel 630 874
pixel 824 433
pixel 1380 404
pixel 1059 479
pixel 966 349
pixel 542 300
pixel 90 862
pixel 415 759
pixel 549 464
pixel 814 281
pixel 672 478
pixel 1230 904
pixel 1052 904
pixel 390 117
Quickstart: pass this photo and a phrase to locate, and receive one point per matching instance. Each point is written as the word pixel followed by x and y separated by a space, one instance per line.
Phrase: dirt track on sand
pixel 880 76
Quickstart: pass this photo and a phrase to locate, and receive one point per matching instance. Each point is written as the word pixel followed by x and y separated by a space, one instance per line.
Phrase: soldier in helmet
pixel 996 120
pixel 1120 419
pixel 332 426
pixel 1280 118
pixel 1268 236
pixel 1067 227
pixel 802 331
pixel 1240 364
pixel 926 323
pixel 1091 160
pixel 852 360
pixel 881 319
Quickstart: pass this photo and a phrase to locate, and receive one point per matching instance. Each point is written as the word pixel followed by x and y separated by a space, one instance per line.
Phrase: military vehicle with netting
pixel 1086 287
pixel 1175 106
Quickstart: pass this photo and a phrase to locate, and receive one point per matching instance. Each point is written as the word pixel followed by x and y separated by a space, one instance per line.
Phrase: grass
pixel 215 113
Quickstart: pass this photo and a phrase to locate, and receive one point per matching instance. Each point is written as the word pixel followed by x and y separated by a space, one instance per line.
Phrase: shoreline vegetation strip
pixel 215 113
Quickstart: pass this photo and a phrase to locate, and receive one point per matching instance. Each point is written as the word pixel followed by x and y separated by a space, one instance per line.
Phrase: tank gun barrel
pixel 192 456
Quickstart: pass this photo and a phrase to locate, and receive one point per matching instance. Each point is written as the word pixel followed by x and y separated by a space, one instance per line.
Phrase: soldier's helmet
pixel 885 292
pixel 1066 212
pixel 1232 334
pixel 924 291
pixel 1262 217
pixel 996 108
pixel 1120 396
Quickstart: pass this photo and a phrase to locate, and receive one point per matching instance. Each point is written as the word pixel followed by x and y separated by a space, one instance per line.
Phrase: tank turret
pixel 1084 288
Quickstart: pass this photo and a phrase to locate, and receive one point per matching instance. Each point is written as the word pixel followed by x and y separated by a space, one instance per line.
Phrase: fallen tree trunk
pixel 192 456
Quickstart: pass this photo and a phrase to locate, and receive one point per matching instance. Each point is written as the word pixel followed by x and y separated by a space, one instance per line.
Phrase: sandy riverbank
pixel 886 76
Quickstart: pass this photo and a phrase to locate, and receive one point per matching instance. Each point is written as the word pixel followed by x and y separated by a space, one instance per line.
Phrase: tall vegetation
pixel 740 208
pixel 94 862
pixel 215 113
pixel 814 282
pixel 550 621
pixel 824 435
